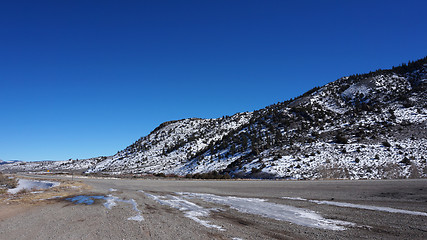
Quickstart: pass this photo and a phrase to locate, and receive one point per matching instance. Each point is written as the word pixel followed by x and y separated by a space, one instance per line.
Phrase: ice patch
pixel 300 216
pixel 360 206
pixel 32 184
pixel 112 190
pixel 191 210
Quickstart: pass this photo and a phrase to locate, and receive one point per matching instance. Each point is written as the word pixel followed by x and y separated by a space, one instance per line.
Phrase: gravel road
pixel 180 209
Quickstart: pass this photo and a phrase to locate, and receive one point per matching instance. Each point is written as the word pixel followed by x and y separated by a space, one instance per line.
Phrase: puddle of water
pixel 82 199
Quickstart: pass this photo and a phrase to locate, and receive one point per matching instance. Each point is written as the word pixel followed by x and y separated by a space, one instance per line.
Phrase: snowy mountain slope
pixel 171 145
pixel 43 166
pixel 362 126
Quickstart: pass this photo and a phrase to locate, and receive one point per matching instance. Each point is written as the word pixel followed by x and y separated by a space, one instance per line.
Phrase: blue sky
pixel 81 79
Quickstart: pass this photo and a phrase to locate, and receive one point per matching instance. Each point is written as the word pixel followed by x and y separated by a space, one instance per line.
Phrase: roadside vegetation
pixel 7 183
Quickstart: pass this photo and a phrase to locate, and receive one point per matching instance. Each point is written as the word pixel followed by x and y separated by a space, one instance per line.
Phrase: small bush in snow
pixel 341 139
pixel 386 144
pixel 406 161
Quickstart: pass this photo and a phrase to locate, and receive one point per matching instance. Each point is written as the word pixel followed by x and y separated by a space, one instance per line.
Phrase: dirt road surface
pixel 184 209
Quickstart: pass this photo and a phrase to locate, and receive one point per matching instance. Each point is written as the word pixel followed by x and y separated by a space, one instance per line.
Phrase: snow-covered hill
pixel 363 126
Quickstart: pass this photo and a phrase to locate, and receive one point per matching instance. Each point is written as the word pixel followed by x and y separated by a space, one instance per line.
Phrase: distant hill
pixel 8 162
pixel 365 126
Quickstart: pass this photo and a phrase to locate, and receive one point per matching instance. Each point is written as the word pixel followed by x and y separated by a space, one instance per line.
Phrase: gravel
pixel 62 219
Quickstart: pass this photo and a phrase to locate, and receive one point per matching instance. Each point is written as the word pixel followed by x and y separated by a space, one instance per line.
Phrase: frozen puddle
pixel 361 206
pixel 191 210
pixel 25 184
pixel 110 202
pixel 300 216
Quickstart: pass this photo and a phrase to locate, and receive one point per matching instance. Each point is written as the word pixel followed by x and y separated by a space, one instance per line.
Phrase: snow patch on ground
pixel 138 217
pixel 295 198
pixel 360 206
pixel 50 198
pixel 300 216
pixel 32 184
pixel 356 89
pixel 110 202
pixel 369 207
pixel 409 114
pixel 191 210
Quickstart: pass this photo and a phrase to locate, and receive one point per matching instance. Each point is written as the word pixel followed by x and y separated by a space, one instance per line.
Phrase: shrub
pixel 7 182
pixel 209 175
pixel 386 144
pixel 339 138
pixel 406 161
pixel 159 175
pixel 23 191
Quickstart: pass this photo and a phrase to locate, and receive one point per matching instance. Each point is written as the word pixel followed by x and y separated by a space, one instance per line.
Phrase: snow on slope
pixel 359 127
pixel 321 158
pixel 171 145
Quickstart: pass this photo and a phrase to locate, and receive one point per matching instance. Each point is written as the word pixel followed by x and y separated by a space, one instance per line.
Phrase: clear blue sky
pixel 81 79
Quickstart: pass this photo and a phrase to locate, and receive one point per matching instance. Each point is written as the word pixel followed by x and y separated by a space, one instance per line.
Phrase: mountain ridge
pixel 362 126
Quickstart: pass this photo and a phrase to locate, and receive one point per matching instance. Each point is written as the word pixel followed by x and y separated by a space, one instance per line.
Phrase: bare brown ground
pixel 14 204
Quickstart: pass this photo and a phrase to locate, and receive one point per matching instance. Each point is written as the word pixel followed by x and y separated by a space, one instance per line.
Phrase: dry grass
pixel 333 171
pixel 7 183
pixel 66 188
